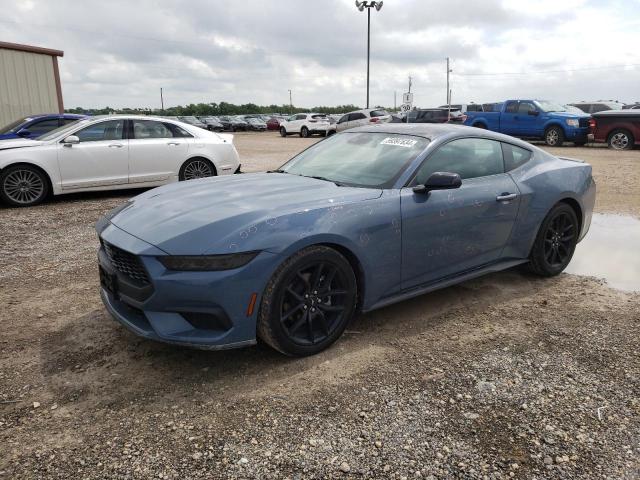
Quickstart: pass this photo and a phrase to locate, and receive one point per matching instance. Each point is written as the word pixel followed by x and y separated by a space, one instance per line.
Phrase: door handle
pixel 175 144
pixel 117 145
pixel 506 197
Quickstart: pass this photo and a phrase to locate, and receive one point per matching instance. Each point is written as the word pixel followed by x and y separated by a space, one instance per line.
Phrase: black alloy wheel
pixel 23 186
pixel 308 302
pixel 556 241
pixel 283 132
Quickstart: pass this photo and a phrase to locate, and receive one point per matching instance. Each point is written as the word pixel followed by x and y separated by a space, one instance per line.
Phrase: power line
pixel 566 70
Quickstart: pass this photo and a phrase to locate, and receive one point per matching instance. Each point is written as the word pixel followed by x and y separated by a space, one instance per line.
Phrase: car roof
pixel 433 131
pixel 56 115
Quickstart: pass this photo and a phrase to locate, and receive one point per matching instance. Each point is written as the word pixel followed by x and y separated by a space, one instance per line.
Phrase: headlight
pixel 202 263
pixel 573 122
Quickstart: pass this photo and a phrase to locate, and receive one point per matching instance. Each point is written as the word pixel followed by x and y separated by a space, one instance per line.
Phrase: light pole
pixel 368 5
pixel 290 104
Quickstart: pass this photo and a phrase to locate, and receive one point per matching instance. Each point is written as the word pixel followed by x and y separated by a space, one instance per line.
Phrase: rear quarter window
pixel 514 157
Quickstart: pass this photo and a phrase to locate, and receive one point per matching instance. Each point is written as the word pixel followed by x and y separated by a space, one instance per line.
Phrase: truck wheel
pixel 621 140
pixel 481 126
pixel 554 136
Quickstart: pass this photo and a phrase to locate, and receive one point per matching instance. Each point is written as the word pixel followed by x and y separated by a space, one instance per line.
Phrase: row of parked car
pixel 608 122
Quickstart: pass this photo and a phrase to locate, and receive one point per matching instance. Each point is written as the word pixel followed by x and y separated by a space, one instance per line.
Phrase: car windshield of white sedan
pixel 358 159
pixel 60 130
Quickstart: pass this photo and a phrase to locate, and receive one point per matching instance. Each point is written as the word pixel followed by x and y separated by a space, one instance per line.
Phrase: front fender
pixel 9 158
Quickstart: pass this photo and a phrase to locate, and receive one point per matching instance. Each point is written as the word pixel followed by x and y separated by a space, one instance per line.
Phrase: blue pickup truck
pixel 534 119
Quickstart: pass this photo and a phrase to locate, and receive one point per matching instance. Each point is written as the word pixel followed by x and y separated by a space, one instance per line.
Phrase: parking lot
pixel 506 376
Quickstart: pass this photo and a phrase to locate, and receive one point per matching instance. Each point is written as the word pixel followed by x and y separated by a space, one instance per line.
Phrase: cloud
pixel 120 53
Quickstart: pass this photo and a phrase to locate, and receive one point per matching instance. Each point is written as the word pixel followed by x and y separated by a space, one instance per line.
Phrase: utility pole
pixel 161 101
pixel 394 100
pixel 448 91
pixel 409 83
pixel 290 104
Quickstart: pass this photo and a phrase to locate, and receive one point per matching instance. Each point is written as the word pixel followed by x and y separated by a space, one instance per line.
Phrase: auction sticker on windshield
pixel 399 142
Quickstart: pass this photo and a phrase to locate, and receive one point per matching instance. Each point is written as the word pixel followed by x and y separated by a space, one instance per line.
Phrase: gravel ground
pixel 507 376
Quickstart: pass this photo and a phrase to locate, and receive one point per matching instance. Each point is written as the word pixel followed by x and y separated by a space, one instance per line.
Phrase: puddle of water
pixel 611 250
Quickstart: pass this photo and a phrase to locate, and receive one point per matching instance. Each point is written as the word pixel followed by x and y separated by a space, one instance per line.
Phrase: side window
pixel 344 118
pixel 526 107
pixel 301 117
pixel 357 116
pixel 512 107
pixel 110 130
pixel 176 131
pixel 45 126
pixel 514 156
pixel 468 157
pixel 143 129
pixel 598 107
pixel 67 121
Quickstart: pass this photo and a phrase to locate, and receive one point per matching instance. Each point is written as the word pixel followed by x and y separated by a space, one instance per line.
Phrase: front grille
pixel 126 263
pixel 584 122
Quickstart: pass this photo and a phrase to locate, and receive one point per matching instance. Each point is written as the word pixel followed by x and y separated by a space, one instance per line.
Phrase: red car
pixel 618 128
pixel 274 123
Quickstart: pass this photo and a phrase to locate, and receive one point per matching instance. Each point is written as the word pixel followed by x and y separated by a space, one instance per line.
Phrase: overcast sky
pixel 119 53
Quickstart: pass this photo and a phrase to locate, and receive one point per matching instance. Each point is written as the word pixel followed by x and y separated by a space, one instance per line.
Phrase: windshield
pixel 13 127
pixel 360 159
pixel 60 130
pixel 546 106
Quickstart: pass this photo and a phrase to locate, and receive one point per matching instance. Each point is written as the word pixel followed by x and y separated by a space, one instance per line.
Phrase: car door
pixel 526 121
pixel 100 159
pixel 508 118
pixel 156 150
pixel 447 232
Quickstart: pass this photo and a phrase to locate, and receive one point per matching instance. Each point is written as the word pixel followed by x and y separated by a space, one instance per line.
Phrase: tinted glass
pixel 176 131
pixel 357 116
pixel 45 126
pixel 468 157
pixel 67 121
pixel 344 118
pixel 474 108
pixel 514 156
pixel 512 107
pixel 378 113
pixel 358 159
pixel 110 130
pixel 13 127
pixel 599 107
pixel 149 129
pixel 526 107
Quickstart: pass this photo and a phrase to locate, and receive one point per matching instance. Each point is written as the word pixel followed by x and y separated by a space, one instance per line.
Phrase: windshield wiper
pixel 325 179
pixel 279 170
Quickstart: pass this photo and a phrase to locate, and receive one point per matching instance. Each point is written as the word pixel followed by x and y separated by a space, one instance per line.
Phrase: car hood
pixel 19 143
pixel 568 114
pixel 216 215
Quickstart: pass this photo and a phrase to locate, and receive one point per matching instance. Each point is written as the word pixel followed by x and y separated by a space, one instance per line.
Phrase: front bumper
pixel 206 310
pixel 577 134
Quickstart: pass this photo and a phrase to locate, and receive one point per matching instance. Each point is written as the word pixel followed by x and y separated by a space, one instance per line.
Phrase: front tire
pixel 283 132
pixel 23 186
pixel 195 168
pixel 556 241
pixel 621 139
pixel 308 302
pixel 554 136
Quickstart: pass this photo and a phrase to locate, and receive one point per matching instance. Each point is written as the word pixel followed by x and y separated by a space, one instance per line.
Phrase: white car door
pixel 100 159
pixel 156 151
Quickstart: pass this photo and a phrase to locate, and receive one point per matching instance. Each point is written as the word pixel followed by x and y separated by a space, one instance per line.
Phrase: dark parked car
pixel 632 106
pixel 274 123
pixel 435 115
pixel 36 125
pixel 212 123
pixel 232 123
pixel 256 124
pixel 193 121
pixel 464 107
pixel 620 129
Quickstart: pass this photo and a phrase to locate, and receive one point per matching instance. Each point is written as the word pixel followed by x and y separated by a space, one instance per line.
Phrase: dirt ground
pixel 507 376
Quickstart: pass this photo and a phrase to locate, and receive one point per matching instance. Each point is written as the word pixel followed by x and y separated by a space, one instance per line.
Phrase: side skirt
pixel 446 282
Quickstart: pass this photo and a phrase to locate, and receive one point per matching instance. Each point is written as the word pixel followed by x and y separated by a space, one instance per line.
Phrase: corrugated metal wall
pixel 27 85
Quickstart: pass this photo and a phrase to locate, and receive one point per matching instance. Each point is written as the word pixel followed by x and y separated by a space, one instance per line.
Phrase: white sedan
pixel 111 152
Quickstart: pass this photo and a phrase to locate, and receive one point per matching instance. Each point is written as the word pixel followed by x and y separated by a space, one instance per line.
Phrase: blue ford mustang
pixel 360 220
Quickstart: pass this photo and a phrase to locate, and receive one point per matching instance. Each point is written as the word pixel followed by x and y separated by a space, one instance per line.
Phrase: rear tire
pixel 23 186
pixel 556 241
pixel 554 136
pixel 308 302
pixel 195 168
pixel 621 139
pixel 304 132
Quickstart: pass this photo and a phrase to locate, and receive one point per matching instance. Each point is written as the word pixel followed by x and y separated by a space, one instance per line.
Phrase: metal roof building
pixel 29 81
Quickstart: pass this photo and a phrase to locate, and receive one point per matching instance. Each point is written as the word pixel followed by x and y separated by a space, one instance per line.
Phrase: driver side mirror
pixel 439 181
pixel 24 133
pixel 70 140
